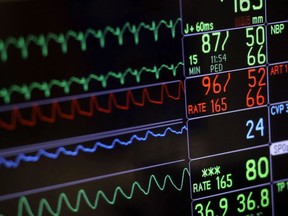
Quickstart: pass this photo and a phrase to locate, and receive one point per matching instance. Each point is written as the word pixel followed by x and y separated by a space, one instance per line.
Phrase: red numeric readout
pixel 217 93
pixel 219 104
pixel 256 82
pixel 212 84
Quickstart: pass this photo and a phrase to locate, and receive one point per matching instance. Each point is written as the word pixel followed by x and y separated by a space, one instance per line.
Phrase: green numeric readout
pixel 247 5
pixel 217 175
pixel 218 51
pixel 251 201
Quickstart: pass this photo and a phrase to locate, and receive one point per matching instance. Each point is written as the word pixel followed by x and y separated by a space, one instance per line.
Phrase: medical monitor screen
pixel 143 107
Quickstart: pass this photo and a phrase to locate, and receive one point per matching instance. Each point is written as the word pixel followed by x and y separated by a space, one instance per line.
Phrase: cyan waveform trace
pixel 46 87
pixel 75 108
pixel 24 205
pixel 80 148
pixel 22 43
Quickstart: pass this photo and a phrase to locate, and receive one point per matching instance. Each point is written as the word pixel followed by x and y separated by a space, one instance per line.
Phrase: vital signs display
pixel 144 107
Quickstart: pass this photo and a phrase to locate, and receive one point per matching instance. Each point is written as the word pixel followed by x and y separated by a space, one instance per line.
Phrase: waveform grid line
pixel 24 206
pixel 80 148
pixel 56 111
pixel 22 43
pixel 46 87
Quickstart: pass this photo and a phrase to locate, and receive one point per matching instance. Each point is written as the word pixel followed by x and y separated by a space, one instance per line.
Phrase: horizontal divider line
pixel 232 191
pixel 226 71
pixel 228 112
pixel 230 152
pixel 278 103
pixel 222 30
pixel 279 181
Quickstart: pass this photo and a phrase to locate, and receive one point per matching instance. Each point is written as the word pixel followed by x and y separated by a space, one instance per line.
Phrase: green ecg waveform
pixel 46 87
pixel 23 204
pixel 22 43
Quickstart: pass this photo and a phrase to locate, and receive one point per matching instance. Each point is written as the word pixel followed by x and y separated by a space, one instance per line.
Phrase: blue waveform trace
pixel 62 150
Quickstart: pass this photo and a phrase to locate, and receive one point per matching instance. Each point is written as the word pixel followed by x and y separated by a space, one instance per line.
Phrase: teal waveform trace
pixel 22 43
pixel 46 87
pixel 24 206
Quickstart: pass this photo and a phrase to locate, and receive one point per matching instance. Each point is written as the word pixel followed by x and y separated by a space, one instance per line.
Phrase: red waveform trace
pixel 75 109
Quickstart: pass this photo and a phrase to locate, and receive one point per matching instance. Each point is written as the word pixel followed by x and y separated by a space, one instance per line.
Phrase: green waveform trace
pixel 22 43
pixel 23 203
pixel 46 87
